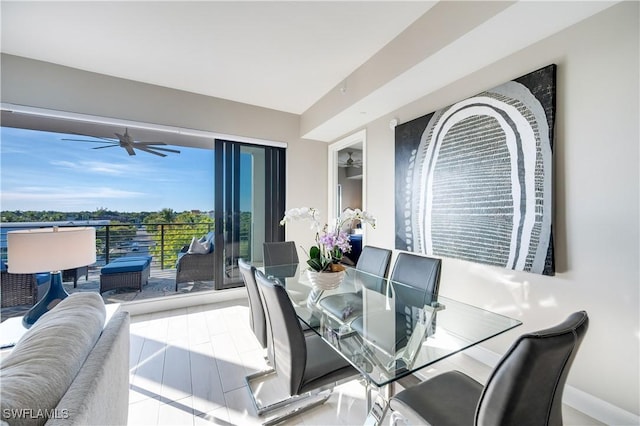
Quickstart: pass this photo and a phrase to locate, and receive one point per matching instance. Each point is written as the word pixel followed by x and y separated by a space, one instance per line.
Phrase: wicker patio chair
pixel 18 289
pixel 194 267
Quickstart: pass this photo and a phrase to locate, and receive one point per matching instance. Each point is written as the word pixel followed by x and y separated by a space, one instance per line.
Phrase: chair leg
pixel 377 409
pixel 320 399
pixel 397 419
pixel 310 400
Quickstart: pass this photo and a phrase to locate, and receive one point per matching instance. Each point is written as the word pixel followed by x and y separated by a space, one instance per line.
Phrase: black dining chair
pixel 374 263
pixel 524 389
pixel 257 317
pixel 416 283
pixel 280 253
pixel 304 364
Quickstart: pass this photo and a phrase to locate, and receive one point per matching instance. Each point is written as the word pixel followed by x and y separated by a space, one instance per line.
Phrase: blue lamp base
pixel 54 295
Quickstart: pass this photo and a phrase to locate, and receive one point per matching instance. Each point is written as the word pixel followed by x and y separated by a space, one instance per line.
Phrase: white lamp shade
pixel 50 249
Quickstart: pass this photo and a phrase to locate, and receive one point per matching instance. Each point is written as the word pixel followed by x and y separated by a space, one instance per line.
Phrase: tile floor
pixel 188 367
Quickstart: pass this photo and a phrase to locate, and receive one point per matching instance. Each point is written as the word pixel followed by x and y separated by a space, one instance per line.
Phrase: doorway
pixel 249 202
pixel 347 182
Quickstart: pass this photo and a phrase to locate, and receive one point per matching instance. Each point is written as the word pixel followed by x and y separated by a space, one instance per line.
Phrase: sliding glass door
pixel 249 203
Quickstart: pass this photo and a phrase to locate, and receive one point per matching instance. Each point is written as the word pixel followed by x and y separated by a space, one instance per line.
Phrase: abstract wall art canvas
pixel 474 180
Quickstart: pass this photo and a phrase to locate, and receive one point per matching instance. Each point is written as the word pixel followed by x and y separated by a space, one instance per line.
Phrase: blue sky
pixel 39 171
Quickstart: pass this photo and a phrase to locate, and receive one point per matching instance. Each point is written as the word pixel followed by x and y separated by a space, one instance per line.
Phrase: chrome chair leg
pixel 397 419
pixel 311 400
pixel 377 412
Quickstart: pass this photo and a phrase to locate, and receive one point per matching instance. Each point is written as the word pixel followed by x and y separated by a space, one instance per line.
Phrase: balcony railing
pixel 163 241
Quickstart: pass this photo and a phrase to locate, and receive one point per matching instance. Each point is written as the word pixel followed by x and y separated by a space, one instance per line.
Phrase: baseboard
pixel 584 402
pixel 167 303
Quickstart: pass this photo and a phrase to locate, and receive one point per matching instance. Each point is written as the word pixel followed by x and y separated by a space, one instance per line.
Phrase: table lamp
pixel 49 250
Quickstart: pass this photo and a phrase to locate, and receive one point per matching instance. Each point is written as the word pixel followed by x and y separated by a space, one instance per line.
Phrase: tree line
pixel 168 231
pixel 101 213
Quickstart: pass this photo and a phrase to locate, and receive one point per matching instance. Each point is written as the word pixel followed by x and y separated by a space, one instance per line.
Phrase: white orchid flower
pixel 302 213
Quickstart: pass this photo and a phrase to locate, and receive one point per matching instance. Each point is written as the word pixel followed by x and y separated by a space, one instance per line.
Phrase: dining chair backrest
pixel 416 284
pixel 289 343
pixel 374 261
pixel 257 316
pixel 280 253
pixel 420 279
pixel 529 380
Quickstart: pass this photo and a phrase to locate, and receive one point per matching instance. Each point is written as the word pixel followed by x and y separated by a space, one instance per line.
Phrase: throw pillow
pixel 196 247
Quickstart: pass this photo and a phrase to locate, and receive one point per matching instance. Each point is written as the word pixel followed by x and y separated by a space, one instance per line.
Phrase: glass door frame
pixel 227 204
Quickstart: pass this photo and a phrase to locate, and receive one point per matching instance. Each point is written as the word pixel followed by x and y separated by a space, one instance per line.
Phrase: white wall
pixel 596 222
pixel 45 85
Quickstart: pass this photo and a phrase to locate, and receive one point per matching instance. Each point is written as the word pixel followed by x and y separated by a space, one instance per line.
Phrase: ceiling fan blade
pixel 150 151
pixel 149 143
pixel 129 149
pixel 106 146
pixel 89 136
pixel 162 149
pixel 86 140
pixel 127 142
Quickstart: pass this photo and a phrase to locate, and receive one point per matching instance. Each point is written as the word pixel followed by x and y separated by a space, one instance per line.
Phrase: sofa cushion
pixel 44 362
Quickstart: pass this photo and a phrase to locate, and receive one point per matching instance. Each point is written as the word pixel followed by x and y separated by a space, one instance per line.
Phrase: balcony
pixel 162 241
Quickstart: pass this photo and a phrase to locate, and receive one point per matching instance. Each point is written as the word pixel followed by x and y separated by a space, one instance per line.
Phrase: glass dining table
pixel 390 334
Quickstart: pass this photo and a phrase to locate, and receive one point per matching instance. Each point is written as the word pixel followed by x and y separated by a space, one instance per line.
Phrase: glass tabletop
pixel 386 329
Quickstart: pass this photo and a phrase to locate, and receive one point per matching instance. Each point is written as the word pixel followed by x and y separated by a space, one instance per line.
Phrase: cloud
pixel 42 194
pixel 97 167
pixel 8 149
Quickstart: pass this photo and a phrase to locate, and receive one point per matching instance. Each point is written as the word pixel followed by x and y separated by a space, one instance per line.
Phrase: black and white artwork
pixel 474 180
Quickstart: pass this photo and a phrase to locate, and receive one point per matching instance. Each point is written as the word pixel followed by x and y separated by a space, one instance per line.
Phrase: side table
pixel 74 274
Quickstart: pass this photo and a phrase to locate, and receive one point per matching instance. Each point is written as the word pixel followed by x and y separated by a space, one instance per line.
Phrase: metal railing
pixel 163 241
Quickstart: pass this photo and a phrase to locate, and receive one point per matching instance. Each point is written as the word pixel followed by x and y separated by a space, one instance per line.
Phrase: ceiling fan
pixel 129 144
pixel 350 162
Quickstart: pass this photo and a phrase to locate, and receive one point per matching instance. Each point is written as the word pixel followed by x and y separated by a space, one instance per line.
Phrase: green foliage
pixel 168 231
pixel 171 232
pixel 316 261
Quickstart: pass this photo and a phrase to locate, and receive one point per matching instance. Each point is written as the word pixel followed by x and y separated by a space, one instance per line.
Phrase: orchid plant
pixel 331 243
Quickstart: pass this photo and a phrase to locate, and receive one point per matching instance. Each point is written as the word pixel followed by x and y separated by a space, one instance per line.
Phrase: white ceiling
pixel 289 56
pixel 278 55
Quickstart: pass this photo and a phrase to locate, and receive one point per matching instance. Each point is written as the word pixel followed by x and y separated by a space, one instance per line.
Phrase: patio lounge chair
pixel 18 289
pixel 195 266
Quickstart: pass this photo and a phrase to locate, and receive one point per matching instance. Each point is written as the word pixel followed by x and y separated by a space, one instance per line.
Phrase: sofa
pixel 69 368
pixel 195 261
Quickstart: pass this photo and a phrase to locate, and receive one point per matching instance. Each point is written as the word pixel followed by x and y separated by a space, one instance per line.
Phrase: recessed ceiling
pixel 278 55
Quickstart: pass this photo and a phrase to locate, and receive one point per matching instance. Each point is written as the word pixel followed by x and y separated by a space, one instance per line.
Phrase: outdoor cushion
pixel 146 259
pixel 43 278
pixel 124 266
pixel 198 247
pixel 210 237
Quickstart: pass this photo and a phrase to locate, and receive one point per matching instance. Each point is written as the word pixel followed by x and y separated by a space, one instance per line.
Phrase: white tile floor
pixel 188 368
